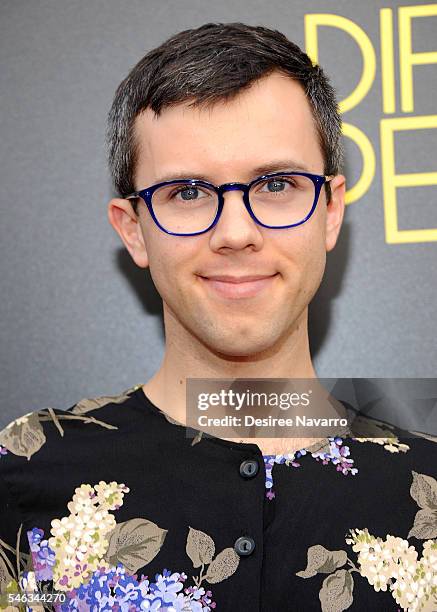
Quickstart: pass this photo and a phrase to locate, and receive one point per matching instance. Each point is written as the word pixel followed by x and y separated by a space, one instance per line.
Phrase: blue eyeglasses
pixel 189 207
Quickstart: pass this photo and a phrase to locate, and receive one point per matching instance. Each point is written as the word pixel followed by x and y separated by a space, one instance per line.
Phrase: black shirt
pixel 121 510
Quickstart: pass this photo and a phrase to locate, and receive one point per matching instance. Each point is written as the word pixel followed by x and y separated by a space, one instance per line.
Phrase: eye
pixel 277 184
pixel 188 192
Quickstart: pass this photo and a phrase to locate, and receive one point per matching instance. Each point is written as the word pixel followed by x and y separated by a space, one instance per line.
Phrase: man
pixel 230 327
pixel 225 150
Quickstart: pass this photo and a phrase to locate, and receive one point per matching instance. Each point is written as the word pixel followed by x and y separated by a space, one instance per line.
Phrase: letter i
pixel 387 61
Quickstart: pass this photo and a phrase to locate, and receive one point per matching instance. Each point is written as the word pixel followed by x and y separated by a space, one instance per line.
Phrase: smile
pixel 234 288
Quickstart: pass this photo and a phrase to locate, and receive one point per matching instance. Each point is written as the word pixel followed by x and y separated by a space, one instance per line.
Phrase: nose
pixel 235 228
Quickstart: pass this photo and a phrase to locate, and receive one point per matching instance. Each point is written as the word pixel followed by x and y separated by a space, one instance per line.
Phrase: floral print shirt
pixel 109 505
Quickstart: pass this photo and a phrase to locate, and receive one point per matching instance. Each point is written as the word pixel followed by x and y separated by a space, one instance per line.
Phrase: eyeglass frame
pixel 146 195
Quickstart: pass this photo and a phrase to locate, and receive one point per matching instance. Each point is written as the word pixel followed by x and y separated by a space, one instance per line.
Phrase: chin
pixel 240 349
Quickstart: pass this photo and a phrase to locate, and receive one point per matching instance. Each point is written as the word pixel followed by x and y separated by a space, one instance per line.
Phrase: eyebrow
pixel 284 165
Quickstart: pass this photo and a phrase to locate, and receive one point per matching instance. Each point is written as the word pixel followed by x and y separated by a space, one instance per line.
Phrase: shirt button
pixel 244 546
pixel 249 468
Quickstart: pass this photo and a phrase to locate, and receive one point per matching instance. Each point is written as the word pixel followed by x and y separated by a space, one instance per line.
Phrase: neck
pixel 187 357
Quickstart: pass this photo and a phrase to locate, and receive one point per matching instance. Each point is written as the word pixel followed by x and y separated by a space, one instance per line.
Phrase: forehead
pixel 270 120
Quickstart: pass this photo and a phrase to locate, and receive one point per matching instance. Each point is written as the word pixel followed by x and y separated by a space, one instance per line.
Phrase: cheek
pixel 305 257
pixel 313 237
pixel 169 257
pixel 314 254
pixel 315 262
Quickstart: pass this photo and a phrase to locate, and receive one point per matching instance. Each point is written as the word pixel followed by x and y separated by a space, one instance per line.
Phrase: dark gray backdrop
pixel 78 319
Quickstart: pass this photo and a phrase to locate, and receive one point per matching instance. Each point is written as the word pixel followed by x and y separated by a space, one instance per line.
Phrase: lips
pixel 238 279
pixel 237 287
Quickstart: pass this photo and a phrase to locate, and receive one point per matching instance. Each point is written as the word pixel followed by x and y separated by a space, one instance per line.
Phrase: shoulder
pixel 27 434
pixel 391 438
pixel 392 457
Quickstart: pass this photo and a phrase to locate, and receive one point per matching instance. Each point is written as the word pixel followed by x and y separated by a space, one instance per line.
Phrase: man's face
pixel 270 122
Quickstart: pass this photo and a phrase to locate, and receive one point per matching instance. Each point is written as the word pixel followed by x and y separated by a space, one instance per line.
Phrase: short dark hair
pixel 208 64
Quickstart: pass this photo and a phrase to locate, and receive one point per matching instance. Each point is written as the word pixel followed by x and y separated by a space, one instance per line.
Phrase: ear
pixel 127 224
pixel 335 210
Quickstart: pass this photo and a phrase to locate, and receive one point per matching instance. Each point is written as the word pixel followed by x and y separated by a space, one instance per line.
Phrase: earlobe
pixel 127 225
pixel 335 211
